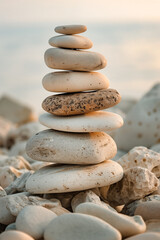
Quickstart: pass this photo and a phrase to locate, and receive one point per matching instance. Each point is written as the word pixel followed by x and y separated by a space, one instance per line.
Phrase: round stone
pixel 71 148
pixel 90 122
pixel 71 41
pixel 67 59
pixel 70 29
pixel 33 220
pixel 13 234
pixel 79 103
pixel 67 81
pixel 71 178
pixel 73 226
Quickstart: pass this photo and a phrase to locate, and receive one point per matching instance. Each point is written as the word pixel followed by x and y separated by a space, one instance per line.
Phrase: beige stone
pixel 98 121
pixel 33 220
pixel 14 234
pixel 126 225
pixel 136 183
pixel 153 225
pixel 80 226
pixel 15 111
pixel 145 236
pixel 69 81
pixel 54 178
pixel 71 41
pixel 8 175
pixel 59 210
pixel 140 156
pixel 71 148
pixel 70 29
pixel 148 210
pixel 67 104
pixel 65 59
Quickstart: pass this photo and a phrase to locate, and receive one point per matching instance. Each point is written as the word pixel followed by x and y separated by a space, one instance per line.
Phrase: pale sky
pixel 78 11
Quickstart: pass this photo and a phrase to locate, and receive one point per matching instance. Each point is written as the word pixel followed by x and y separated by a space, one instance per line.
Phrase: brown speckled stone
pixel 80 103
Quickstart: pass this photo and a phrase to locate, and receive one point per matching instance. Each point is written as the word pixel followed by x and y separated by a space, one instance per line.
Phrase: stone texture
pixel 145 236
pixel 80 226
pixel 98 121
pixel 136 183
pixel 65 59
pixel 148 210
pixel 14 234
pixel 67 104
pixel 140 156
pixel 71 148
pixel 69 81
pixel 153 225
pixel 33 220
pixel 54 178
pixel 142 122
pixel 70 29
pixel 126 225
pixel 71 41
pixel 15 111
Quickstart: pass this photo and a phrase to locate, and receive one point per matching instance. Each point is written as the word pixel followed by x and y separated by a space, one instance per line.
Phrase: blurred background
pixel 126 32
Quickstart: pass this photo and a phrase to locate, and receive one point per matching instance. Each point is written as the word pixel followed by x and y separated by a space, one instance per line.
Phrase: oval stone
pixel 67 81
pixel 79 103
pixel 66 59
pixel 72 226
pixel 71 148
pixel 99 121
pixel 70 29
pixel 70 178
pixel 71 41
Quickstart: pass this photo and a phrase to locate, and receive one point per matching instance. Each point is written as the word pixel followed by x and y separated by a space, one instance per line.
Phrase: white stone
pixel 70 29
pixel 15 111
pixel 141 125
pixel 14 234
pixel 68 81
pixel 137 182
pixel 33 220
pixel 71 41
pixel 98 121
pixel 67 59
pixel 127 225
pixel 71 148
pixel 140 156
pixel 70 178
pixel 80 226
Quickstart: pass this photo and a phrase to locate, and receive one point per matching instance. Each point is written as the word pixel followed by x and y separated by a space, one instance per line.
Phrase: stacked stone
pixel 76 139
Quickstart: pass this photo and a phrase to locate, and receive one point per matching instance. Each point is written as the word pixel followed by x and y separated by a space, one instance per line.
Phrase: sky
pixel 83 11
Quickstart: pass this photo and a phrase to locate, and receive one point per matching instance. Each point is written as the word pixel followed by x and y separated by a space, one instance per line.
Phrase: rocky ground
pixel 127 209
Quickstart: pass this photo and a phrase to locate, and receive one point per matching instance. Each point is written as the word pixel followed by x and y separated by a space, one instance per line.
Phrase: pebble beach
pixel 89 166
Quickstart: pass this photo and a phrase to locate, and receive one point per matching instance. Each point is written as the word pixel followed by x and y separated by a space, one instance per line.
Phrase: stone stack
pixel 76 140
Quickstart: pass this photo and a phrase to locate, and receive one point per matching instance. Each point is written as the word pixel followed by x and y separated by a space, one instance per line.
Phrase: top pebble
pixel 70 29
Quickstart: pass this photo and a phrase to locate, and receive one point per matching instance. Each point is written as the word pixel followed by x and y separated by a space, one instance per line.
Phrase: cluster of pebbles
pixel 67 187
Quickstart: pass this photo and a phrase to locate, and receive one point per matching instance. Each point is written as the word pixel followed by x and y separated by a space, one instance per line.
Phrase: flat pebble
pixel 70 29
pixel 71 41
pixel 80 226
pixel 148 210
pixel 33 220
pixel 71 148
pixel 70 178
pixel 66 59
pixel 68 81
pixel 98 121
pixel 14 234
pixel 80 103
pixel 127 226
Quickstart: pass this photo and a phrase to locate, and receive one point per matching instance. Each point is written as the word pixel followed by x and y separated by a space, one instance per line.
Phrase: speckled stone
pixel 67 59
pixel 71 41
pixel 80 103
pixel 71 148
pixel 68 81
pixel 98 121
pixel 71 178
pixel 70 29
